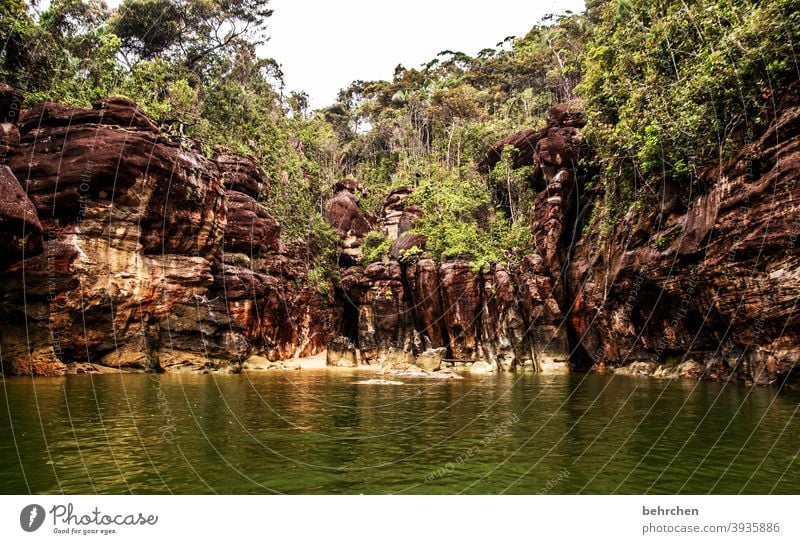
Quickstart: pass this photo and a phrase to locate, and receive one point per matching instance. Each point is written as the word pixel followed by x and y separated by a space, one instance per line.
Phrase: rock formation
pixel 141 253
pixel 711 279
pixel 702 288
pixel 508 317
pixel 123 248
pixel 344 215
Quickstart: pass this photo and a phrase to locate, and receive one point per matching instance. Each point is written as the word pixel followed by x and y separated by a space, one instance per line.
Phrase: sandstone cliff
pixel 126 249
pixel 123 248
pixel 704 284
pixel 452 313
pixel 700 286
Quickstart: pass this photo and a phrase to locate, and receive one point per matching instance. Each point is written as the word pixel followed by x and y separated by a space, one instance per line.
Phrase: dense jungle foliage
pixel 670 88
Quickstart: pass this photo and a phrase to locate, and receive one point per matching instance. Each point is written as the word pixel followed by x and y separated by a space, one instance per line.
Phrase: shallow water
pixel 321 432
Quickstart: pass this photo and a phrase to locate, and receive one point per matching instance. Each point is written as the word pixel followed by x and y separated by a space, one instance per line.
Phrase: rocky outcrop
pixel 132 224
pixel 341 352
pixel 524 142
pixel 20 229
pixel 344 215
pixel 507 317
pixel 273 309
pixel 398 216
pixel 460 289
pixel 382 320
pixel 150 255
pixel 124 249
pixel 555 145
pixel 250 229
pixel 241 174
pixel 510 339
pixel 439 313
pixel 713 278
pixel 704 287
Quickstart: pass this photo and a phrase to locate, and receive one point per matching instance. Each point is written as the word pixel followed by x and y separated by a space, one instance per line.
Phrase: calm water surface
pixel 321 432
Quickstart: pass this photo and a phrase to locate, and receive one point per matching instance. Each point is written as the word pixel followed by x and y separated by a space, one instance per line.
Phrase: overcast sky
pixel 325 45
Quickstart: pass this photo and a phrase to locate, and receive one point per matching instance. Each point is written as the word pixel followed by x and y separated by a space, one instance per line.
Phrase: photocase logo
pixel 31 517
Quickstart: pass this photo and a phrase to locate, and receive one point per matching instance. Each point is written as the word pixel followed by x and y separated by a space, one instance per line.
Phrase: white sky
pixel 325 45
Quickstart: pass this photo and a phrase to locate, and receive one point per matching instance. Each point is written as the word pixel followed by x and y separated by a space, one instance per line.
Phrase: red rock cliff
pixel 710 285
pixel 140 252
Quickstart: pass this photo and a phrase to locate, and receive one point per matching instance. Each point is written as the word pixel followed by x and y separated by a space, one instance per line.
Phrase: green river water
pixel 322 432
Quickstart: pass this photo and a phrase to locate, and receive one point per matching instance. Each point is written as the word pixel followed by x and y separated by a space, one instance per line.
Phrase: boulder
pixel 343 214
pixel 341 352
pixel 431 359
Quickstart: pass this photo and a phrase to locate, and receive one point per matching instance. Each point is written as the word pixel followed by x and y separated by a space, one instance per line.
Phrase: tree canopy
pixel 670 88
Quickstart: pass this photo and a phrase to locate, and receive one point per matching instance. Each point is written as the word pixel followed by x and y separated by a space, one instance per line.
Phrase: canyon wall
pixel 126 249
pixel 702 285
pixel 689 285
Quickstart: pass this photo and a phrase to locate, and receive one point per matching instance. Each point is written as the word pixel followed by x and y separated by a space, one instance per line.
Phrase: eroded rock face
pixel 20 229
pixel 273 310
pixel 398 216
pixel 506 332
pixel 242 174
pixel 507 318
pixel 140 253
pixel 439 312
pixel 461 300
pixel 383 320
pixel 698 289
pixel 131 223
pixel 250 229
pixel 341 352
pixel 422 278
pixel 112 161
pixel 343 214
pixel 150 255
pixel 714 281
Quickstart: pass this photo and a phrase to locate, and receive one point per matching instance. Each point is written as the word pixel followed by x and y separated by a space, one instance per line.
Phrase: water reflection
pixel 320 432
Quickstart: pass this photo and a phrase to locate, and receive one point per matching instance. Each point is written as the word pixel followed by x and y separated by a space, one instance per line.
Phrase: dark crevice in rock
pixel 348 324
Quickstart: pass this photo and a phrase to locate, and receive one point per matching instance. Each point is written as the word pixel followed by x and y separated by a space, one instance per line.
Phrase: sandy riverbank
pixel 319 362
pixel 314 362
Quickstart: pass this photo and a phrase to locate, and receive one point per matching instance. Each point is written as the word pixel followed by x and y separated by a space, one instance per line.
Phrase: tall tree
pixel 188 31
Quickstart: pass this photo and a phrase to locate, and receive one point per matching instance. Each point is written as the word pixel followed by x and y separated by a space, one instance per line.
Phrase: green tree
pixel 188 31
pixel 26 56
pixel 673 88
